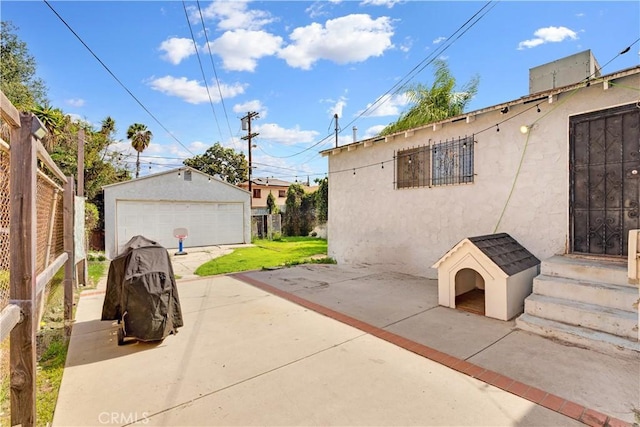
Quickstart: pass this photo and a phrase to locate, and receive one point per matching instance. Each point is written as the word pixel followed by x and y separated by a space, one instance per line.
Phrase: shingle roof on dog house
pixel 496 263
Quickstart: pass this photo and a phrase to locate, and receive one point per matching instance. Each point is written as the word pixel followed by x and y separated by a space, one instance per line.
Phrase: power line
pixel 585 83
pixel 224 108
pixel 204 78
pixel 117 79
pixel 426 61
pixel 410 75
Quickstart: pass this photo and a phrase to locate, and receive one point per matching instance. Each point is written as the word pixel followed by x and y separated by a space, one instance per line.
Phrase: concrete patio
pixel 333 345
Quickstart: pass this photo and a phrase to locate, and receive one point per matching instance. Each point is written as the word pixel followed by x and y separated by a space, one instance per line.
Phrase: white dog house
pixel 490 275
pixel 213 211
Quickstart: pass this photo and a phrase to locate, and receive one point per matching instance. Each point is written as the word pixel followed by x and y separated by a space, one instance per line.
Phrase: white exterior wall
pixel 408 230
pixel 171 188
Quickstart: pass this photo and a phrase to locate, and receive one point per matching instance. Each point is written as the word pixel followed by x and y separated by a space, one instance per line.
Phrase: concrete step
pixel 583 337
pixel 590 269
pixel 603 294
pixel 610 320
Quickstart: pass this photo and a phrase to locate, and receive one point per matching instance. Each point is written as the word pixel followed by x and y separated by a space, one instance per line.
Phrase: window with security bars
pixel 443 163
pixel 412 167
pixel 452 162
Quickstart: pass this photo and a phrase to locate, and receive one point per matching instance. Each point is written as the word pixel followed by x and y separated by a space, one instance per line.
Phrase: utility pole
pixel 246 125
pixel 335 116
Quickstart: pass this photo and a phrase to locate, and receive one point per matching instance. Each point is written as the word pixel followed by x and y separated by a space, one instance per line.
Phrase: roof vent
pixel 563 72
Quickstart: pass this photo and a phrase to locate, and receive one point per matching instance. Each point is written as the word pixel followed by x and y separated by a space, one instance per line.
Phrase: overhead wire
pixel 581 85
pixel 204 78
pixel 207 88
pixel 428 60
pixel 408 76
pixel 116 78
pixel 215 72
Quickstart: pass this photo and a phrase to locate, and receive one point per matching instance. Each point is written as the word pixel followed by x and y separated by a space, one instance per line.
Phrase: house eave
pixel 544 96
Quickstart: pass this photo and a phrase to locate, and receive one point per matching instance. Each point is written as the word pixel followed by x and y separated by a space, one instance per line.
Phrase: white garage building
pixel 213 211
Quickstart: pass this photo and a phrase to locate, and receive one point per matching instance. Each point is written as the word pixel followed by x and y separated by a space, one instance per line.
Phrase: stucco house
pixel 213 211
pixel 262 187
pixel 557 169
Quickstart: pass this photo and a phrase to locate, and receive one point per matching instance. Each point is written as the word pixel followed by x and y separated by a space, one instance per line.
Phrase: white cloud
pixel 192 91
pixel 373 131
pixel 439 40
pixel 199 146
pixel 253 105
pixel 387 3
pixel 240 49
pixel 548 35
pixel 275 133
pixel 581 15
pixel 406 45
pixel 387 105
pixel 78 118
pixel 176 49
pixel 317 9
pixel 351 38
pixel 75 102
pixel 338 106
pixel 233 15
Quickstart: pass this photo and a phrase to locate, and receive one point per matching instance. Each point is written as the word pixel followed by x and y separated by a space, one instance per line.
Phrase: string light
pixel 382 165
pixel 497 128
pixel 538 107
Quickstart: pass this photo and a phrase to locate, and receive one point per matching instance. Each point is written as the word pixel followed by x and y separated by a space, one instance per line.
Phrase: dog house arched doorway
pixel 469 291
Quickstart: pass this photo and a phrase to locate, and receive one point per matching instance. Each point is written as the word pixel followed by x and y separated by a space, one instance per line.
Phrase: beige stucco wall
pixel 408 230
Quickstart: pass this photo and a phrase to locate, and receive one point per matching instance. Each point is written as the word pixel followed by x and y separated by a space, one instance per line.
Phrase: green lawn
pixel 268 253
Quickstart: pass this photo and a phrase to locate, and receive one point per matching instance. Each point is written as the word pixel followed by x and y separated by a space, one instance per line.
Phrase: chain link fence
pixel 4 252
pixel 49 246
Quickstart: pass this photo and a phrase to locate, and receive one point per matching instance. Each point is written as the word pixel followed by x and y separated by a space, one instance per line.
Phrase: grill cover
pixel 141 291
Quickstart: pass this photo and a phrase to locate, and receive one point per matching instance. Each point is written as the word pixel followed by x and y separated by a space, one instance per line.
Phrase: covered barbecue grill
pixel 141 292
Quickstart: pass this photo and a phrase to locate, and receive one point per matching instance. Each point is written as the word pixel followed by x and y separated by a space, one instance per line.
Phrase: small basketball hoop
pixel 180 234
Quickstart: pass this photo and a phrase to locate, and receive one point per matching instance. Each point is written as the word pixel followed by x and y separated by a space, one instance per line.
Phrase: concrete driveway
pixel 332 345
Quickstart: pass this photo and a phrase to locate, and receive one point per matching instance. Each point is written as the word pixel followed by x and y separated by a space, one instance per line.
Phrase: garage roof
pixel 181 169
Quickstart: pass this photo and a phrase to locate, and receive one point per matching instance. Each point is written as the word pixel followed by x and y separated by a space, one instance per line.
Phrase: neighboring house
pixel 213 211
pixel 558 170
pixel 262 187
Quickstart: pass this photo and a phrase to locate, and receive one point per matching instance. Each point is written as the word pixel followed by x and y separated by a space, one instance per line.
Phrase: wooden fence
pixel 36 241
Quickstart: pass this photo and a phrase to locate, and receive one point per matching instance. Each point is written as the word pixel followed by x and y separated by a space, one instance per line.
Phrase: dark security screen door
pixel 604 179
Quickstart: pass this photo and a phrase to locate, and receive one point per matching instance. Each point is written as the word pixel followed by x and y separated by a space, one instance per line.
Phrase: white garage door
pixel 208 223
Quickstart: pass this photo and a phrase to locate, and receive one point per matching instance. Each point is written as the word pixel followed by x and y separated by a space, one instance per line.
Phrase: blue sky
pixel 296 63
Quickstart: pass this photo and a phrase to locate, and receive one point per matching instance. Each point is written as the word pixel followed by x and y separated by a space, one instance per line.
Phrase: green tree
pixel 322 199
pixel 59 126
pixel 272 208
pixel 140 138
pixel 101 166
pixel 225 162
pixel 18 79
pixel 435 103
pixel 299 215
pixel 108 126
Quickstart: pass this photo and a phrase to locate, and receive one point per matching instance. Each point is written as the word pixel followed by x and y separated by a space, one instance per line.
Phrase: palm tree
pixel 140 138
pixel 435 103
pixel 55 121
pixel 108 125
